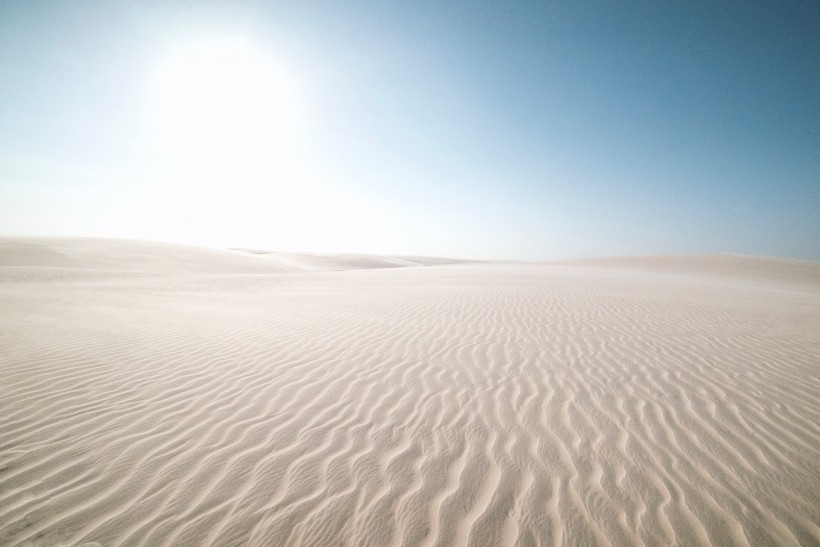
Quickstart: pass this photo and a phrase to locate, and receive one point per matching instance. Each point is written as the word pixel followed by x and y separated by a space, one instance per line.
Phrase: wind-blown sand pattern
pixel 607 403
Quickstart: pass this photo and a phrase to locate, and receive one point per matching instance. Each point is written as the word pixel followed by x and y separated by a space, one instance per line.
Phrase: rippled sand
pixel 649 401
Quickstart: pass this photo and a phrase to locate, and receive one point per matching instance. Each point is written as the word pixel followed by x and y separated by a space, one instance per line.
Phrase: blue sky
pixel 500 130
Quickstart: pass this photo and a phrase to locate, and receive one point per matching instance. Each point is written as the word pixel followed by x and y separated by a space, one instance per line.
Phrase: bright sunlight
pixel 225 99
pixel 228 126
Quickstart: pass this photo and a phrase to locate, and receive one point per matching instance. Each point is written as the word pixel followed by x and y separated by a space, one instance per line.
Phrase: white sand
pixel 652 401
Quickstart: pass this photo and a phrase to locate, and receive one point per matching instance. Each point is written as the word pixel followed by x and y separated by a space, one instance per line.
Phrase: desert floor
pixel 163 395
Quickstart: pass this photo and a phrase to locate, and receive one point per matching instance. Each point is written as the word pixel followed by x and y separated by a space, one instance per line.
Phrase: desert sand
pixel 155 394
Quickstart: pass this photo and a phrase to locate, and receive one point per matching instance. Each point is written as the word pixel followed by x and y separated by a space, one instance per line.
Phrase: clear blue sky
pixel 529 130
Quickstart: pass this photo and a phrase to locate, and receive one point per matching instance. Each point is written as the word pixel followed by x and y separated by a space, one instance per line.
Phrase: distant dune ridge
pixel 156 394
pixel 126 255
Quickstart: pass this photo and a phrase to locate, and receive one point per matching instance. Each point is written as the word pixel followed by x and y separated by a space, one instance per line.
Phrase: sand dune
pixel 56 258
pixel 736 268
pixel 124 255
pixel 311 262
pixel 469 404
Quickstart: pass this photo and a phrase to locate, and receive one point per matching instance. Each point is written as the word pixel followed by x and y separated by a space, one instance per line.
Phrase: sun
pixel 225 99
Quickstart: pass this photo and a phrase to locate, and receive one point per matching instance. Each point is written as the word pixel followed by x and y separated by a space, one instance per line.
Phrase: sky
pixel 509 130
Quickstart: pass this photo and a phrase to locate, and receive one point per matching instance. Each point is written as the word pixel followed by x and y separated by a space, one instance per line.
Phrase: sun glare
pixel 228 134
pixel 225 99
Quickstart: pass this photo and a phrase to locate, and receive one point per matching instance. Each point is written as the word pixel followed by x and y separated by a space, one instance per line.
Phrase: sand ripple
pixel 452 405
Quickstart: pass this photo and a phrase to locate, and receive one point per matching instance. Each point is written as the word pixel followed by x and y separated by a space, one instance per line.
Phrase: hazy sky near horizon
pixel 524 130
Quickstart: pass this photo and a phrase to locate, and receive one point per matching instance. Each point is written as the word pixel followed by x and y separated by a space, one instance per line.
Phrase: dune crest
pixel 727 266
pixel 41 255
pixel 467 404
